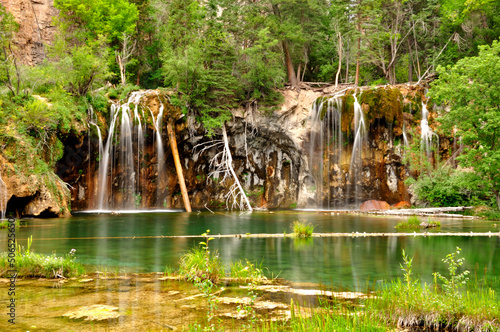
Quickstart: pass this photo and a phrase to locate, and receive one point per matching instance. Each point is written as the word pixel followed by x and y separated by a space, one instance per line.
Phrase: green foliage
pixel 407 302
pixel 302 229
pixel 453 284
pixel 470 89
pixel 262 70
pixel 201 264
pixel 245 270
pixel 31 264
pixel 90 20
pixel 413 222
pixel 446 186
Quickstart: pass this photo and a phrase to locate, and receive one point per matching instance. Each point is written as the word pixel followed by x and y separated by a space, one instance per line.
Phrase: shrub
pixel 452 187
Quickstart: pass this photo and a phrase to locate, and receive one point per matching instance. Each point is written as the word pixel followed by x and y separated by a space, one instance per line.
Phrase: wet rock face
pixel 36 30
pixel 351 164
pixel 275 156
pixel 31 195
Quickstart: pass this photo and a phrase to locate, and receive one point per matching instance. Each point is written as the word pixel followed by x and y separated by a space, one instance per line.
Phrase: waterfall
pixel 121 179
pixel 3 198
pixel 160 180
pixel 427 133
pixel 325 151
pixel 356 166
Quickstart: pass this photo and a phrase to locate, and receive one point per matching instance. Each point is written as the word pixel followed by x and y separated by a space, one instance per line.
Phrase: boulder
pixel 373 205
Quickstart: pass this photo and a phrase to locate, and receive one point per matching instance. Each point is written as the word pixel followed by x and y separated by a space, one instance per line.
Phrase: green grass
pixel 490 214
pixel 6 223
pixel 199 263
pixel 31 264
pixel 302 229
pixel 245 270
pixel 413 222
pixel 202 264
pixel 453 304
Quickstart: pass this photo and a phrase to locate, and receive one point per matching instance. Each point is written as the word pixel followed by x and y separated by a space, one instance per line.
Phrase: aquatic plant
pixel 302 228
pixel 413 222
pixel 31 264
pixel 407 303
pixel 200 263
pixel 245 270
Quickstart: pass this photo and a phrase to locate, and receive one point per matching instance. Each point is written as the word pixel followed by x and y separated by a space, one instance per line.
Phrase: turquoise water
pixel 350 262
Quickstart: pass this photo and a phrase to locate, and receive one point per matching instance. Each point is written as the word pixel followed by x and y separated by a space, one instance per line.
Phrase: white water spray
pixel 123 154
pixel 427 133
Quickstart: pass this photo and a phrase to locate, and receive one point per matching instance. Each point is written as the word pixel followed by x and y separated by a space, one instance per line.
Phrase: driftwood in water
pixel 435 212
pixel 178 166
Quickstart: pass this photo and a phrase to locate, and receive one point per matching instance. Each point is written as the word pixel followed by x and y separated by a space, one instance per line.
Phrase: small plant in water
pixel 302 228
pixel 413 222
pixel 204 268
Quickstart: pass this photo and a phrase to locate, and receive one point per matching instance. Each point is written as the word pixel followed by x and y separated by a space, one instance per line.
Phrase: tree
pixel 471 91
pixel 93 21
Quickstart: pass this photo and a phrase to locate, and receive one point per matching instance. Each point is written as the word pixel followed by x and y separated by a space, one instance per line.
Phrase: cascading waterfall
pixel 326 148
pixel 427 133
pixel 356 166
pixel 123 156
pixel 160 153
pixel 3 198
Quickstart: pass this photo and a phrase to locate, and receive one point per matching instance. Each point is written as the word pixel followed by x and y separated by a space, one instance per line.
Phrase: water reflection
pixel 351 262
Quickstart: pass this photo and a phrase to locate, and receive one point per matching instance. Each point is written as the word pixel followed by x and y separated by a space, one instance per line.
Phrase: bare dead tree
pixel 123 56
pixel 222 165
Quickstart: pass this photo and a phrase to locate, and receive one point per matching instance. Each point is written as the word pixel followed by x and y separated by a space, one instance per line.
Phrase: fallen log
pixel 435 212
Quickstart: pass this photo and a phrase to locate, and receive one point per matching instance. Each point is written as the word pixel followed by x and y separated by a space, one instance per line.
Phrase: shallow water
pixel 350 262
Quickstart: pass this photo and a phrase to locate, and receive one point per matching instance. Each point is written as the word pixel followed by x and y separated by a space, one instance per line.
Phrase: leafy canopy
pixel 471 91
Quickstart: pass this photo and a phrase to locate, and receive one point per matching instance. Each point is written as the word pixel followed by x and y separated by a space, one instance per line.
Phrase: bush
pixel 452 187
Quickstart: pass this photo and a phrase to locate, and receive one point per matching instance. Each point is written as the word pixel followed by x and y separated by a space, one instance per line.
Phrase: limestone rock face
pixel 31 195
pixel 36 29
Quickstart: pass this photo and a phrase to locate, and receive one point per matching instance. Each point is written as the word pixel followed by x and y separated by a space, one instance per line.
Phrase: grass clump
pixel 31 264
pixel 412 223
pixel 245 270
pixel 200 263
pixel 407 303
pixel 302 229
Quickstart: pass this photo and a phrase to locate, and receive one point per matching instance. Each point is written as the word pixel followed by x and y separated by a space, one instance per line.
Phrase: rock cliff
pixel 36 30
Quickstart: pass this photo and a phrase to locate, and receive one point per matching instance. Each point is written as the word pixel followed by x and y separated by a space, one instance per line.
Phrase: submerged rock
pixel 94 312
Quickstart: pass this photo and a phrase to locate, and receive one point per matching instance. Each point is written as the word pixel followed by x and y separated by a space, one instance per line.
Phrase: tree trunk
pixel 292 78
pixel 231 169
pixel 178 166
pixel 340 60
